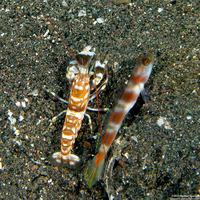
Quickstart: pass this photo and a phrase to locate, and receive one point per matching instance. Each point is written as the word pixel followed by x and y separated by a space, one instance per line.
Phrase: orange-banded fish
pixel 135 86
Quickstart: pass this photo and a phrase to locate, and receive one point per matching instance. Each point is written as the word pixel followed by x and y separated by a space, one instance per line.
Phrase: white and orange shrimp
pixel 135 86
pixel 79 72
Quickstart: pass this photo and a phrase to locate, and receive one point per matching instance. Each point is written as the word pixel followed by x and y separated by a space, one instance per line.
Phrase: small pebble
pixel 86 145
pixel 160 10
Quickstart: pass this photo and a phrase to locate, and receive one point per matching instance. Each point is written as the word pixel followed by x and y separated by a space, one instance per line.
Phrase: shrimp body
pixel 79 75
pixel 78 101
pixel 139 77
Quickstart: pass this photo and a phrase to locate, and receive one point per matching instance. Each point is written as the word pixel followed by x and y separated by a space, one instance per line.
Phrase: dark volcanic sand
pixel 151 161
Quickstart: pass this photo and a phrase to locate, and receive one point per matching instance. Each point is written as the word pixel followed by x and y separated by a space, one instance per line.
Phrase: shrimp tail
pixel 94 171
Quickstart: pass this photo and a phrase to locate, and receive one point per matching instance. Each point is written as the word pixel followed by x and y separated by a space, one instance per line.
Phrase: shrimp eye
pixel 146 61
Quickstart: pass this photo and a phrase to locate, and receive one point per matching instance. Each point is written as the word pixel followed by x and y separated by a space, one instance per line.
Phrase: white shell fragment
pixel 100 20
pixel 34 93
pixel 21 118
pixel 16 132
pixel 162 121
pixel 18 104
pixel 82 13
pixel 10 118
pixel 64 3
pixel 23 103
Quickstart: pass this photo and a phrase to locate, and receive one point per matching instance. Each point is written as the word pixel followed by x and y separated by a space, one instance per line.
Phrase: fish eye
pixel 146 62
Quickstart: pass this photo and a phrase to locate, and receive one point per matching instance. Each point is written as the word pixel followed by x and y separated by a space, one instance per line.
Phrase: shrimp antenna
pixel 59 35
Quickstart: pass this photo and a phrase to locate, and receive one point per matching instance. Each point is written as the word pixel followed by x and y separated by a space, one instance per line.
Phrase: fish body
pixel 135 86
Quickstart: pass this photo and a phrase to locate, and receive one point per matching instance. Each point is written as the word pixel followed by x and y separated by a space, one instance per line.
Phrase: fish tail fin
pixel 94 171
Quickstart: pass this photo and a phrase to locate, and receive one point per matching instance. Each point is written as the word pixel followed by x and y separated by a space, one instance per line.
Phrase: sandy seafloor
pixel 149 161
